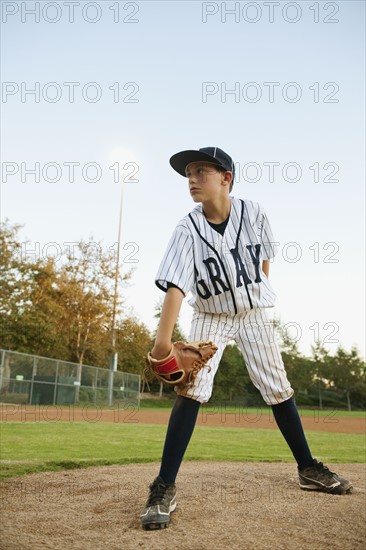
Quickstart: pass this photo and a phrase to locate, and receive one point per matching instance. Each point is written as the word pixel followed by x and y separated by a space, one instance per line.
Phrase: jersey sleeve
pixel 177 265
pixel 269 246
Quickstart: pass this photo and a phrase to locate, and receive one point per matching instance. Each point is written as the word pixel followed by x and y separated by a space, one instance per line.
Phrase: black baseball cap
pixel 180 161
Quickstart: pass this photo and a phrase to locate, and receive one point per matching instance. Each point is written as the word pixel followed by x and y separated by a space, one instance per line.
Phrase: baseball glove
pixel 183 363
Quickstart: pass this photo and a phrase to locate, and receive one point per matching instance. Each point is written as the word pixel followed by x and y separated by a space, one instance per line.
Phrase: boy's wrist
pixel 161 350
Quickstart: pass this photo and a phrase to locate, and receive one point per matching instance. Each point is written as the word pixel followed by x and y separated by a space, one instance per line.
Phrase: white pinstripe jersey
pixel 223 273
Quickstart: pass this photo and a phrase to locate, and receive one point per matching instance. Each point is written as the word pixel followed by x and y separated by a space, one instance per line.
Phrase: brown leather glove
pixel 183 363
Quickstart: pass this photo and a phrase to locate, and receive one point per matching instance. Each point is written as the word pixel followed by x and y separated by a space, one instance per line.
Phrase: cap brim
pixel 179 161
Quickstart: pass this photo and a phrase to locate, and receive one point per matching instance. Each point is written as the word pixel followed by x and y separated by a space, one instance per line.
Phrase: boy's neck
pixel 217 212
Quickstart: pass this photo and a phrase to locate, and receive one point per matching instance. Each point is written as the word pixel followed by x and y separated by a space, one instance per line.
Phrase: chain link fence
pixel 35 380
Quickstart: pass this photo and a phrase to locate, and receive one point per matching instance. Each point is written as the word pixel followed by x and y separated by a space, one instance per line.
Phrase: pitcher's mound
pixel 221 505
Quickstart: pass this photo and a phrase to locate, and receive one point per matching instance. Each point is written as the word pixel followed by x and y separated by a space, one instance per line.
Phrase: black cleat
pixel 319 478
pixel 159 505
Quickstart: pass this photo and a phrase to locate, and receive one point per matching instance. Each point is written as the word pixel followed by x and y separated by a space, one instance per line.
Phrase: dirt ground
pixel 236 506
pixel 241 418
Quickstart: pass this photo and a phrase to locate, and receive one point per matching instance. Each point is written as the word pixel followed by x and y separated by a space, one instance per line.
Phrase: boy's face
pixel 206 182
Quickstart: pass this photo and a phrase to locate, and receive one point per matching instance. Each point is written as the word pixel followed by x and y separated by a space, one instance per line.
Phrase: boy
pixel 220 253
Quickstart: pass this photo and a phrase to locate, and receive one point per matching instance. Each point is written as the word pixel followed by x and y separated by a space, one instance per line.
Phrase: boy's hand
pixel 181 364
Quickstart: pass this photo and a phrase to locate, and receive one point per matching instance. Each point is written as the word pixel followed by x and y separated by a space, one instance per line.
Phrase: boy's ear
pixel 228 177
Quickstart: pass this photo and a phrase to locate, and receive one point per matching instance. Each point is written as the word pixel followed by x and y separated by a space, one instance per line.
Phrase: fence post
pixel 139 392
pixel 34 372
pixel 56 384
pixel 2 368
pixel 320 396
pixel 348 400
pixel 112 370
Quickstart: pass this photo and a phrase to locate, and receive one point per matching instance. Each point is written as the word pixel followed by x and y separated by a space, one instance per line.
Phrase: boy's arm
pixel 265 267
pixel 169 315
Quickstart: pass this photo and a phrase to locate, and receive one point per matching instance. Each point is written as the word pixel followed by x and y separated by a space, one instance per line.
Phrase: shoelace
pixel 323 469
pixel 157 493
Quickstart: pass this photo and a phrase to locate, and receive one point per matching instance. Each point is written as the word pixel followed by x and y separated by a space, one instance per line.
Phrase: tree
pixel 55 310
pixel 232 379
pixel 321 369
pixel 348 374
pixel 27 295
pixel 178 335
pixel 11 290
pixel 344 374
pixel 299 369
pixel 133 342
pixel 287 344
pixel 86 296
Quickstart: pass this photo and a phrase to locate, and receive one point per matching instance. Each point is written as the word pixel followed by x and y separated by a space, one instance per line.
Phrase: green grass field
pixel 43 446
pixel 157 404
pixel 252 411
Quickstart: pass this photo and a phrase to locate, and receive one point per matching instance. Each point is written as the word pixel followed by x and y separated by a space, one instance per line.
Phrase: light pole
pixel 114 357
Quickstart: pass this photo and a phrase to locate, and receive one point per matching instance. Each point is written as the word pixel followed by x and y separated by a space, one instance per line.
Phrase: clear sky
pixel 278 85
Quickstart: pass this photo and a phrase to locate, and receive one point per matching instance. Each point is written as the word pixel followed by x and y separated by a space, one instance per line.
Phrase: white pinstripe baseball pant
pixel 254 334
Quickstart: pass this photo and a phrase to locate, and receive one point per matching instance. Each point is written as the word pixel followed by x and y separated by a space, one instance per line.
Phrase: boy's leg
pixel 263 359
pixel 267 371
pixel 162 501
pixel 313 475
pixel 162 498
pixel 289 423
pixel 185 410
pixel 180 428
pixel 256 340
pixel 264 362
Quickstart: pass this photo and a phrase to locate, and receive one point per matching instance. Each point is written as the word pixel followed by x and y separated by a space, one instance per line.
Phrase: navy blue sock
pixel 180 428
pixel 288 421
